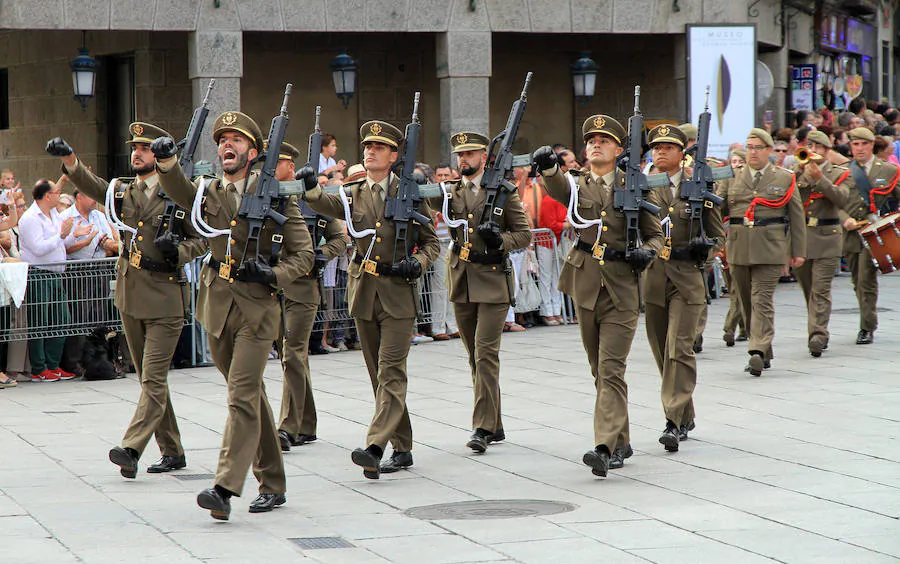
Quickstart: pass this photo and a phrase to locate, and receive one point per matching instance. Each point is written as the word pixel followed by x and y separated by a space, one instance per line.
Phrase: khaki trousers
pixel 152 343
pixel 385 343
pixel 865 284
pixel 606 334
pixel 250 435
pixel 669 331
pixel 733 319
pixel 701 325
pixel 755 285
pixel 815 278
pixel 480 327
pixel 298 408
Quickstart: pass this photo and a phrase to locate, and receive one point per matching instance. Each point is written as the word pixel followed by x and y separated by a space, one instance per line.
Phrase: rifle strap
pixel 172 220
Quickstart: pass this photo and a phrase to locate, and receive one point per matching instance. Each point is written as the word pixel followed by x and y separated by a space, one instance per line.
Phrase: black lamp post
pixel 84 74
pixel 584 78
pixel 343 72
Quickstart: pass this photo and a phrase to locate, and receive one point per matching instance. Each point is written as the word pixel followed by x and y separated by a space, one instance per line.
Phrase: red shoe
pixel 63 375
pixel 45 376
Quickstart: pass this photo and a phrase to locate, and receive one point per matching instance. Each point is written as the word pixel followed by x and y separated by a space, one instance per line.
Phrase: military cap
pixel 862 134
pixel 288 152
pixel 241 123
pixel 762 135
pixel 142 132
pixel 689 130
pixel 667 134
pixel 740 153
pixel 604 125
pixel 355 170
pixel 468 141
pixel 818 137
pixel 380 132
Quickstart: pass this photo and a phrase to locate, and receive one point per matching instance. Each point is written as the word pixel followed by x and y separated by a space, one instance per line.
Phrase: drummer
pixel 872 193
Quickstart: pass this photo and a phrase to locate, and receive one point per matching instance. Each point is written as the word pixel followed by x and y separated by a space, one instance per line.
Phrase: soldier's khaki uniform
pixel 758 252
pixel 301 301
pixel 733 319
pixel 862 271
pixel 675 295
pixel 149 298
pixel 605 293
pixel 383 306
pixel 822 201
pixel 479 285
pixel 242 318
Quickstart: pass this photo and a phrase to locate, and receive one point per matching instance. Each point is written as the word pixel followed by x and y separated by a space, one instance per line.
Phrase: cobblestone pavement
pixel 799 465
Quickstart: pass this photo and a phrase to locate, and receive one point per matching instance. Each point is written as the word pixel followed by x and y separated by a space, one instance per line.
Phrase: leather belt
pixel 609 254
pixel 816 222
pixel 381 268
pixel 152 265
pixel 681 254
pixel 479 257
pixel 759 222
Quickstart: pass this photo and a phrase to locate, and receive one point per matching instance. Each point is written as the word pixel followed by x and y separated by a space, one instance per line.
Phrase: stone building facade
pixel 467 57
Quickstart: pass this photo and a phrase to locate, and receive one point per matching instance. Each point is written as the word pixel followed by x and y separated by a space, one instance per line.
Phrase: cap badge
pixel 462 138
pixel 230 118
pixel 375 129
pixel 664 131
pixel 599 122
pixel 137 129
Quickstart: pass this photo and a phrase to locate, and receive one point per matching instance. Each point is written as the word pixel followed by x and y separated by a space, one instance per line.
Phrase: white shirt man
pixel 42 238
pixel 87 214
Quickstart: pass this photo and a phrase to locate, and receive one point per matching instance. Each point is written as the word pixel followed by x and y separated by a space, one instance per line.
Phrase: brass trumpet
pixel 804 155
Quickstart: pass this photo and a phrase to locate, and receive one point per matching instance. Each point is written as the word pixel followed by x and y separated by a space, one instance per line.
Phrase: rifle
pixel 404 208
pixel 697 191
pixel 262 204
pixel 500 158
pixel 191 139
pixel 631 200
pixel 315 222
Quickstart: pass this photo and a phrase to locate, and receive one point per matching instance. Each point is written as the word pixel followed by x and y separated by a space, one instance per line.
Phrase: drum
pixel 882 240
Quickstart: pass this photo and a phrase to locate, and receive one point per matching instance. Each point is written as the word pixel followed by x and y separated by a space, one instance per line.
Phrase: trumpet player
pixel 823 189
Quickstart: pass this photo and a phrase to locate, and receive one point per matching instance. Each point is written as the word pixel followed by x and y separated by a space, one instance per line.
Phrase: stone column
pixel 777 61
pixel 463 70
pixel 218 55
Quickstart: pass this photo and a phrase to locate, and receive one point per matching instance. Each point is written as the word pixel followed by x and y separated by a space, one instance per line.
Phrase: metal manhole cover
pixel 187 477
pixel 313 543
pixel 856 310
pixel 490 509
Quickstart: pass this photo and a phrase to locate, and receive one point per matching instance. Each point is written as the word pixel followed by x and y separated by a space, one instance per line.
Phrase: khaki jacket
pixel 823 241
pixel 140 293
pixel 880 174
pixel 763 244
pixel 257 302
pixel 481 283
pixel 397 296
pixel 688 279
pixel 583 276
pixel 305 290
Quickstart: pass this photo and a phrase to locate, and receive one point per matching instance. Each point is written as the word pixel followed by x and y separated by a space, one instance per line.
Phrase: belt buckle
pixel 748 222
pixel 225 268
pixel 813 222
pixel 371 267
pixel 598 251
pixel 135 259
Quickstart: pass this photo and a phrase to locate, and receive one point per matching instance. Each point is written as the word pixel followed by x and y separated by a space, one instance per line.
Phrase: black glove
pixel 641 259
pixel 167 243
pixel 699 247
pixel 321 260
pixel 308 176
pixel 490 234
pixel 58 147
pixel 163 147
pixel 253 271
pixel 419 178
pixel 545 158
pixel 409 268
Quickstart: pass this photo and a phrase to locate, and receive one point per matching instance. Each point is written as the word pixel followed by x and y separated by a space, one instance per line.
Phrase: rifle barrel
pixel 527 82
pixel 706 108
pixel 415 112
pixel 637 100
pixel 287 94
pixel 317 129
pixel 212 82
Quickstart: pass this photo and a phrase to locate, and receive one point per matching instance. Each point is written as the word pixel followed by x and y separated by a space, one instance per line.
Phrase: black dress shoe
pixel 167 464
pixel 496 437
pixel 816 346
pixel 302 439
pixel 598 460
pixel 729 339
pixel 267 502
pixel 757 365
pixel 398 461
pixel 741 338
pixel 865 337
pixel 369 462
pixel 126 459
pixel 683 431
pixel 670 437
pixel 219 504
pixel 478 441
pixel 284 441
pixel 698 344
pixel 317 350
pixel 617 460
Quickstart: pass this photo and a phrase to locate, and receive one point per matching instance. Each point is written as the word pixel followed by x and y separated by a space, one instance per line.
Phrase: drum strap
pixel 861 180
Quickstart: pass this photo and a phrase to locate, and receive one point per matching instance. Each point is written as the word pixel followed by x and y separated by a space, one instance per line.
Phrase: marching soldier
pixel 823 189
pixel 150 292
pixel 479 283
pixel 301 301
pixel 601 282
pixel 381 293
pixel 766 226
pixel 876 194
pixel 238 306
pixel 675 286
